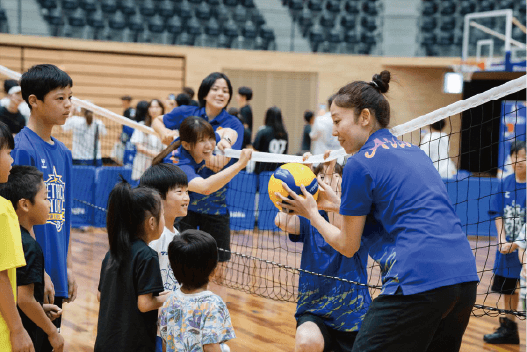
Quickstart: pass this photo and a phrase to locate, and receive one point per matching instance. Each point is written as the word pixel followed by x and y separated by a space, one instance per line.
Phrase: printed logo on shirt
pixel 513 220
pixel 56 190
pixel 387 144
pixel 43 163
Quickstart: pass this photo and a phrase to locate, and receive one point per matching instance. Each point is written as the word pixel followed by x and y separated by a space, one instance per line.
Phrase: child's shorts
pixel 334 340
pixel 504 285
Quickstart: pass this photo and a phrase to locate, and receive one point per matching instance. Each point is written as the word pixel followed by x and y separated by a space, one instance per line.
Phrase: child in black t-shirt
pixel 130 281
pixel 27 191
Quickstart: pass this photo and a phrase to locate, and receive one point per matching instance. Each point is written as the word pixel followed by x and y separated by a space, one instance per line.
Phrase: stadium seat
pixel 428 39
pixel 230 3
pixel 268 36
pixel 185 39
pixel 305 20
pixel 367 38
pixel 174 29
pixel 370 8
pixel 136 27
pixel 428 9
pixel 296 5
pixel 333 6
pixel 351 7
pixel 4 27
pixel 195 2
pixel 109 6
pixel 364 49
pixel 55 21
pixel 327 20
pixel 466 8
pixel 240 14
pixel 316 37
pixel 221 13
pixel 486 6
pixel 69 5
pixel 445 39
pixel 315 5
pixel 249 31
pixel 77 24
pixel 185 11
pixel 49 4
pixel 193 27
pixel 448 24
pixel 350 37
pixel 333 38
pixel 214 2
pixel 258 19
pixel 95 21
pixel 249 4
pixel 127 7
pixel 448 8
pixel 347 21
pixel 224 41
pixel 259 44
pixel 368 23
pixel 88 5
pixel 165 9
pixel 428 24
pixel 212 29
pixel 116 24
pixel 230 29
pixel 148 8
pixel 203 12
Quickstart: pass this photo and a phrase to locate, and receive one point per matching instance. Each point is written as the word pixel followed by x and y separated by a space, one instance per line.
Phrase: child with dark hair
pixel 27 192
pixel 171 183
pixel 329 312
pixel 245 94
pixel 193 318
pixel 182 99
pixel 508 211
pixel 271 138
pixel 130 281
pixel 190 92
pixel 9 114
pixel 13 336
pixel 47 90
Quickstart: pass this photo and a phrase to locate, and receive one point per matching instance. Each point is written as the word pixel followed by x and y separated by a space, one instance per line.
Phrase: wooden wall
pixel 416 90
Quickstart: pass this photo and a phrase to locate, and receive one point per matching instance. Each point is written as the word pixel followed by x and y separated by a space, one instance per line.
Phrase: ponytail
pixel 127 211
pixel 161 156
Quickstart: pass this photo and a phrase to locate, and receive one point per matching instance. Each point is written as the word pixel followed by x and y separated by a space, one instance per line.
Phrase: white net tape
pixel 410 126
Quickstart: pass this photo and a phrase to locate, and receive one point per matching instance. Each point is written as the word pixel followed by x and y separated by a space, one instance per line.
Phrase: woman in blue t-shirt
pixel 428 269
pixel 208 212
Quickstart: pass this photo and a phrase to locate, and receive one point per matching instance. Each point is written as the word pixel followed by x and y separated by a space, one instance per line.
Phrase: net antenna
pixel 513 50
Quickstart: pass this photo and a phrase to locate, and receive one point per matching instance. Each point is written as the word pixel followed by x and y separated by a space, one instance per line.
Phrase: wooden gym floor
pixel 261 325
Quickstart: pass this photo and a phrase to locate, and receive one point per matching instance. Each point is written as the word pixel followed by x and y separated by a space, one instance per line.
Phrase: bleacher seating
pixel 339 26
pixel 211 23
pixel 441 24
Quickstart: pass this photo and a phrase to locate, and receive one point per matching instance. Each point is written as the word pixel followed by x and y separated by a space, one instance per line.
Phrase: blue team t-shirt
pixel 215 203
pixel 54 161
pixel 424 246
pixel 509 204
pixel 342 305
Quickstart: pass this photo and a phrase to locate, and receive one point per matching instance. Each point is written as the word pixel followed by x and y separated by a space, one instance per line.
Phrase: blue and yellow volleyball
pixel 293 175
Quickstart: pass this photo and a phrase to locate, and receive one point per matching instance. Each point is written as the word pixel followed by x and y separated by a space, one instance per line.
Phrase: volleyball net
pixel 470 147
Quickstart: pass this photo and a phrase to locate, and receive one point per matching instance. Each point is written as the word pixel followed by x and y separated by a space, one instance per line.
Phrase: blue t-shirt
pixel 342 305
pixel 424 246
pixel 509 204
pixel 215 203
pixel 54 161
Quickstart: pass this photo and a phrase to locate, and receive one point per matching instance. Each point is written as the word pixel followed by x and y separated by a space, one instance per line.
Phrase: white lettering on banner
pixel 56 190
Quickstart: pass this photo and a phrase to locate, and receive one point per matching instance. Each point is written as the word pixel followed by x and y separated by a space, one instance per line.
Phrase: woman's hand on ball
pixel 304 206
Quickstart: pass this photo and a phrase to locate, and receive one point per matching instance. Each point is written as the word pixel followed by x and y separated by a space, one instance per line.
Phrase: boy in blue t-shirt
pixel 508 211
pixel 329 312
pixel 47 90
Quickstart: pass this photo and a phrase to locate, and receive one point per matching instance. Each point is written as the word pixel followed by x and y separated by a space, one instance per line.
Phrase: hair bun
pixel 382 81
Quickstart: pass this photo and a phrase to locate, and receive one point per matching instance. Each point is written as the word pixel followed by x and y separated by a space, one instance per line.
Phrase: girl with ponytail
pixel 130 283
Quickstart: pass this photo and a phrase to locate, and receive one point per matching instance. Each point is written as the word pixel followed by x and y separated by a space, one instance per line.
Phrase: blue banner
pixel 512 127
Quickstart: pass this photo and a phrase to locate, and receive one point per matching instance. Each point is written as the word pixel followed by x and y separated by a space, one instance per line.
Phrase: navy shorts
pixel 334 340
pixel 504 285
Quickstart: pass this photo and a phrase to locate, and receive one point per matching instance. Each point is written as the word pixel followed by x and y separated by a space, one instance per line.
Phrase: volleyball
pixel 294 175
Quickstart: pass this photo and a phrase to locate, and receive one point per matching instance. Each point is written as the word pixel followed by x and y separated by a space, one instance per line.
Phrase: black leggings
pixel 431 321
